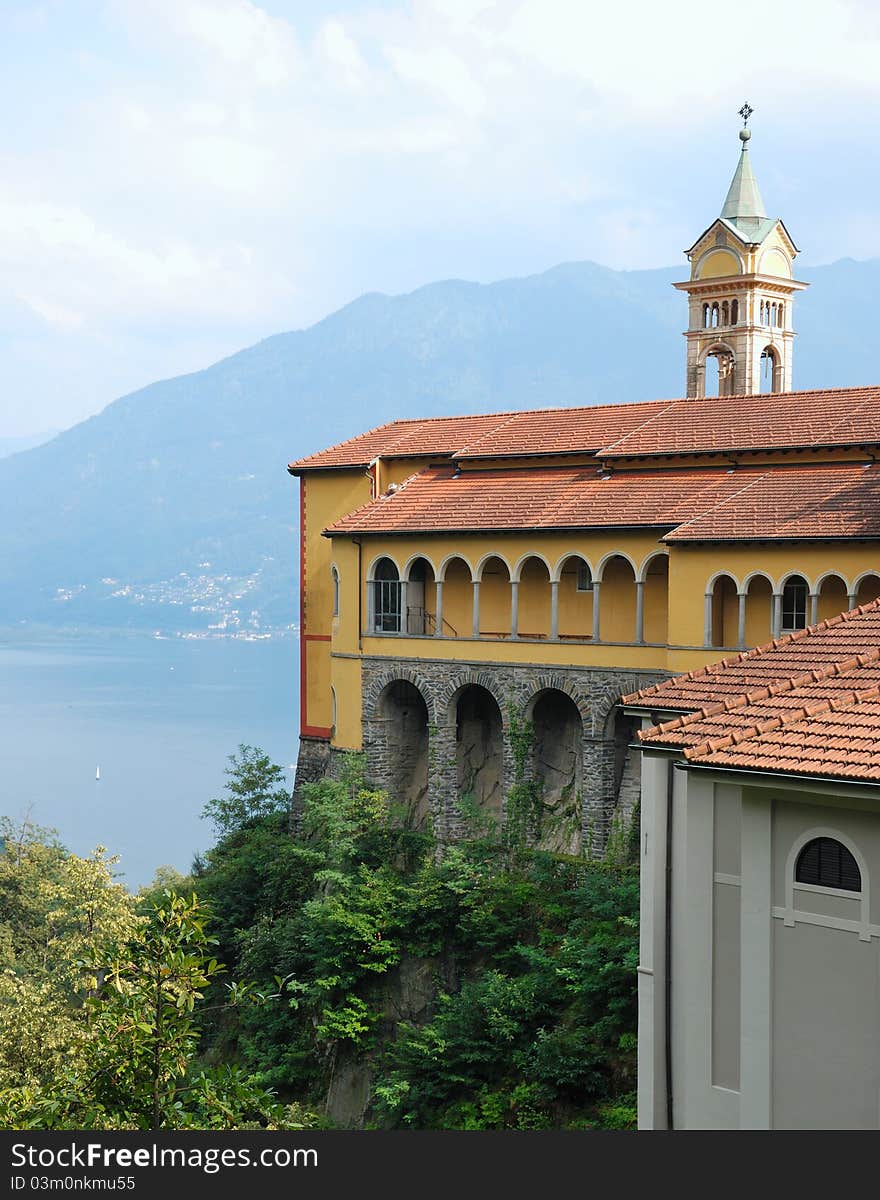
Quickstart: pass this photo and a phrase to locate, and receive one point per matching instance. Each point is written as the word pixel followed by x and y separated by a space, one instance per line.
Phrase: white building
pixel 759 976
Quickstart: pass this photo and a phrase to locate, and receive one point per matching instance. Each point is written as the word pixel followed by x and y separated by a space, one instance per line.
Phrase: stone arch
pixel 770 370
pixel 722 597
pixel 557 682
pixel 421 595
pixel 794 593
pixel 758 589
pixel 726 363
pixel 372 691
pixel 793 574
pixel 376 563
pixel 446 699
pixel 495 597
pixel 642 571
pixel 446 562
pixel 412 560
pixel 654 576
pixel 556 767
pixel 534 605
pixel 606 559
pixel 455 575
pixel 830 595
pixel 867 587
pixel 516 573
pixel 556 573
pixel 384 595
pixel 617 599
pixel 832 574
pixel 713 579
pixel 402 715
pixel 574 601
pixel 479 749
pixel 479 568
pixel 753 575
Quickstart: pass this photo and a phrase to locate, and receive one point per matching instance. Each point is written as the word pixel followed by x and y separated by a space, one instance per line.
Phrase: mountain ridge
pixel 176 495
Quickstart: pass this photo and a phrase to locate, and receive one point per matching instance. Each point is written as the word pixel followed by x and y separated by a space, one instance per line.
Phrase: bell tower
pixel 740 334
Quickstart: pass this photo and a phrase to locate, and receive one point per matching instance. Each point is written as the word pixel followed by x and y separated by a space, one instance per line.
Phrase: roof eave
pixel 423 530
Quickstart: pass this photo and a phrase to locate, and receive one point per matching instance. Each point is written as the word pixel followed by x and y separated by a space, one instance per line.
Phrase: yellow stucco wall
pixel 327 495
pixel 674 595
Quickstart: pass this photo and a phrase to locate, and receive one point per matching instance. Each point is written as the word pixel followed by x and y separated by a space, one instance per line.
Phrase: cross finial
pixel 745 112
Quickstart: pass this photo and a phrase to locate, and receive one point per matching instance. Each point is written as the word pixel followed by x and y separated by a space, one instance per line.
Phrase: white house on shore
pixel 759 975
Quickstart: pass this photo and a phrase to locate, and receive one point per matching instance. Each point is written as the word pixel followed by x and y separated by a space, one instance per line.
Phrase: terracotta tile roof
pixel 492 435
pixel 836 417
pixel 807 704
pixel 402 439
pixel 830 501
pixel 715 503
pixel 439 500
pixel 561 430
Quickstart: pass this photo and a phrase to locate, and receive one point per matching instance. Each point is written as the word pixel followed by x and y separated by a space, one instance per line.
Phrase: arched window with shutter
pixel 826 862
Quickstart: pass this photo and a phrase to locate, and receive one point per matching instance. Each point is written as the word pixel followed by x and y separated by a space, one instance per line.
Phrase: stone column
pixel 598 798
pixel 438 618
pixel 776 619
pixel 814 608
pixel 554 610
pixel 851 600
pixel 707 620
pixel 514 608
pixel 476 620
pixel 640 611
pixel 741 623
pixel 596 610
pixel 442 781
pixel 404 615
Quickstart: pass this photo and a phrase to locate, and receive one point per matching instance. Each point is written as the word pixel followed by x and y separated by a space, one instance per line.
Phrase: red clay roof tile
pixel 815 711
pixel 788 420
pixel 840 500
pixel 836 417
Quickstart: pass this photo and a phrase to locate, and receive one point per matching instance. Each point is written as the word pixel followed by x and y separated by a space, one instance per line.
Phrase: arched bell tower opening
pixel 771 373
pixel 741 288
pixel 719 372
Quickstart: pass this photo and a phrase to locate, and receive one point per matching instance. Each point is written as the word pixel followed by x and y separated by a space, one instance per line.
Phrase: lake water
pixel 159 717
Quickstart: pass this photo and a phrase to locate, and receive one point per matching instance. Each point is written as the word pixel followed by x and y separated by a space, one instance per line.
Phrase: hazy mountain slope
pixel 191 470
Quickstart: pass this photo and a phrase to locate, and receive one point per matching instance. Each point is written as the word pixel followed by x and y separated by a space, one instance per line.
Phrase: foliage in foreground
pixel 524 1012
pixel 99 1025
pixel 489 986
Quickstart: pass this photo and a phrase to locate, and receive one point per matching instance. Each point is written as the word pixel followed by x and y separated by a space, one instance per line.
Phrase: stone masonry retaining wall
pixel 595 692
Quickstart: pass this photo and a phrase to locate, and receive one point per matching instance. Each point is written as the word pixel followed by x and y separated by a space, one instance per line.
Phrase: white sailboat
pixel 97 773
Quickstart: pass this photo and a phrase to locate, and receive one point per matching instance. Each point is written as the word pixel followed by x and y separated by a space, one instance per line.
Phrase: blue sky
pixel 179 178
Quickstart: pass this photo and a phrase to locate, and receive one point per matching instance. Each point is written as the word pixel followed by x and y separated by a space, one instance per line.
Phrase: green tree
pixel 137 1068
pixel 58 910
pixel 256 788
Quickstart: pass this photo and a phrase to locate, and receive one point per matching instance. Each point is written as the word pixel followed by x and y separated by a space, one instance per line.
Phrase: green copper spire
pixel 743 195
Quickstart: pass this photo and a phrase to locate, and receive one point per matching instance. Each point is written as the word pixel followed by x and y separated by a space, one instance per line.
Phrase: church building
pixel 759 962
pixel 463 575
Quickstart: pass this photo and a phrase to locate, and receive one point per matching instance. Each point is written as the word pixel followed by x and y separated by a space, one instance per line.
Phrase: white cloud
pixel 222 164
pixel 239 34
pixel 342 54
pixel 96 276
